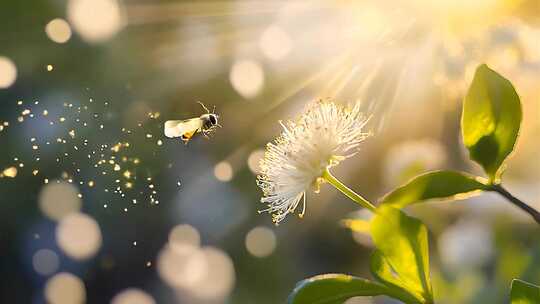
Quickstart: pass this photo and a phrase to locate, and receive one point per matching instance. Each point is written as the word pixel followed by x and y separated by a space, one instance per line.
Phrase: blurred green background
pixel 151 220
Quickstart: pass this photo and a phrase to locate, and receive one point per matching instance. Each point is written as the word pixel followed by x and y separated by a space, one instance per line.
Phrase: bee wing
pixel 177 128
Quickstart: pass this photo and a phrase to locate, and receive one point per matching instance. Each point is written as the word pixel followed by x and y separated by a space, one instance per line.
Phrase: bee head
pixel 213 119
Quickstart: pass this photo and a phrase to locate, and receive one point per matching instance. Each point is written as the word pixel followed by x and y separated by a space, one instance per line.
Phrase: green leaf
pixel 383 272
pixel 490 120
pixel 403 242
pixel 434 185
pixel 334 289
pixel 524 293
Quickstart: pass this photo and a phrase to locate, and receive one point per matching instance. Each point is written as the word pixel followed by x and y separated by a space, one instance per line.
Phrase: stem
pixel 514 200
pixel 347 191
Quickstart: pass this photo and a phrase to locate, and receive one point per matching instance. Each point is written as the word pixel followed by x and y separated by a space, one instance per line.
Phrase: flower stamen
pixel 325 135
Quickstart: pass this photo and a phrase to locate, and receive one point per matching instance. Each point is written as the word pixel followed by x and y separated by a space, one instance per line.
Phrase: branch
pixel 514 200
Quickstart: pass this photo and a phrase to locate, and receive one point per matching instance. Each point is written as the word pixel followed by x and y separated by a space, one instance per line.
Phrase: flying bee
pixel 186 129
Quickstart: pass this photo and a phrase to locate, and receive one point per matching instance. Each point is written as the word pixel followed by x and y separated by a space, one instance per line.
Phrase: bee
pixel 186 129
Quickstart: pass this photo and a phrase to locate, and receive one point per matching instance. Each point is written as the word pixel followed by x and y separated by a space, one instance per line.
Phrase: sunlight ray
pixel 155 13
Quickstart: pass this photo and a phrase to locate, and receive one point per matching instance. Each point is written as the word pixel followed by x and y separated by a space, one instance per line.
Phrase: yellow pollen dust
pixel 154 115
pixel 116 148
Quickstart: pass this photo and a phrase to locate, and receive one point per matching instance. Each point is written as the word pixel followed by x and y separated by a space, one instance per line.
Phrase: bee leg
pixel 203 132
pixel 184 139
pixel 204 107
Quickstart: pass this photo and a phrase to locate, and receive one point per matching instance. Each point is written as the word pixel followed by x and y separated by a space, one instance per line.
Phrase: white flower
pixel 322 137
